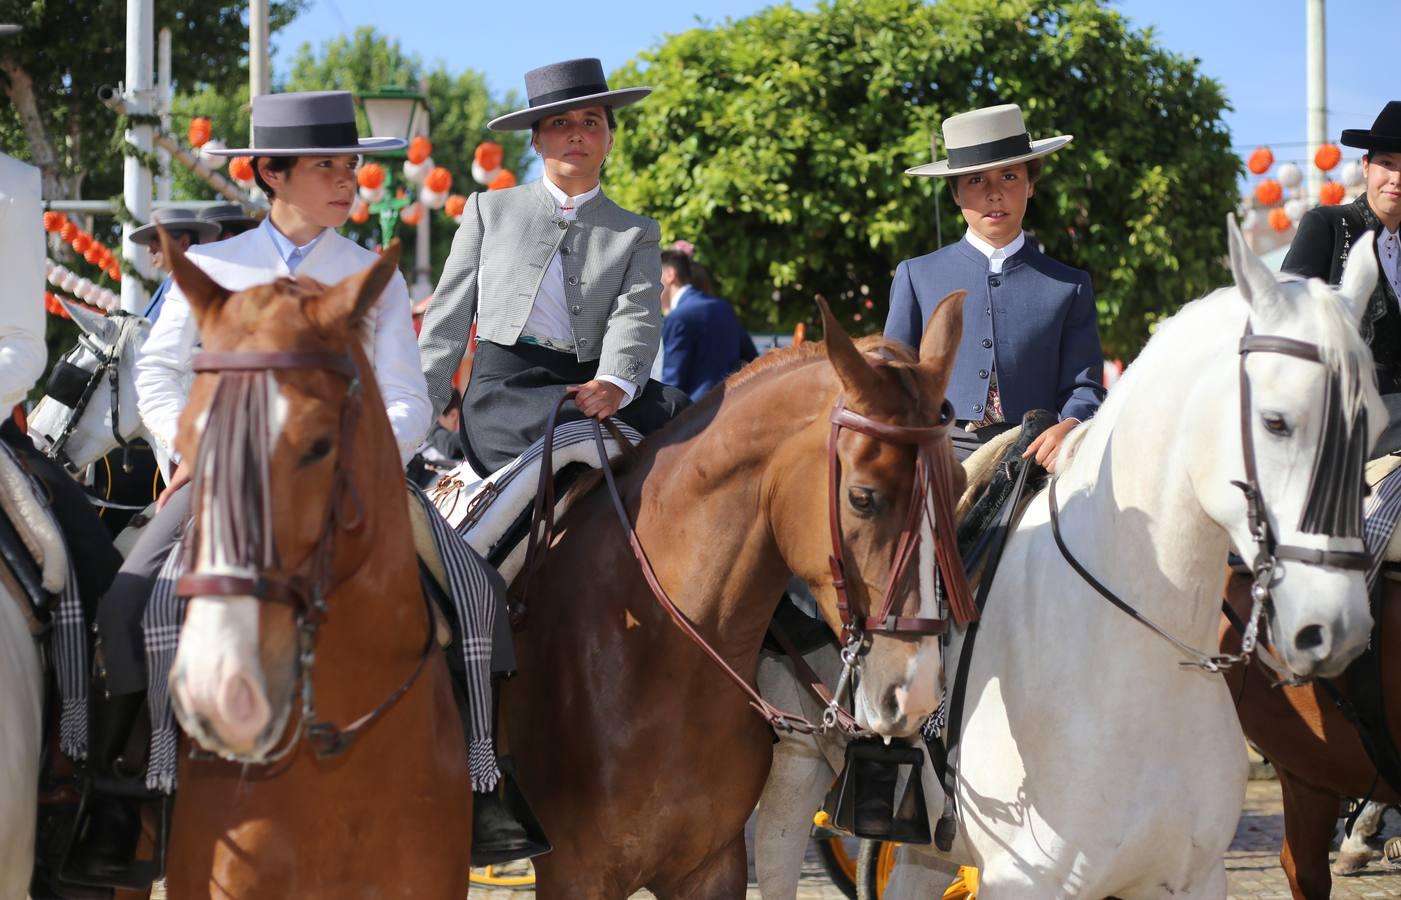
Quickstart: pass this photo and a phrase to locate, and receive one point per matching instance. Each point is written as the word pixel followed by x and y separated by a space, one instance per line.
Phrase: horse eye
pixel 1276 425
pixel 316 452
pixel 862 501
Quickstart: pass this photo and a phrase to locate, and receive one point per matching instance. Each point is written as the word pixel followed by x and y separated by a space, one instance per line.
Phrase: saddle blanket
pixel 1381 513
pixel 473 594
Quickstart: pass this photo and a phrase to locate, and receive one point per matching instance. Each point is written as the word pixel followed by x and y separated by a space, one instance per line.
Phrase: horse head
pixel 73 421
pixel 278 519
pixel 1308 412
pixel 859 496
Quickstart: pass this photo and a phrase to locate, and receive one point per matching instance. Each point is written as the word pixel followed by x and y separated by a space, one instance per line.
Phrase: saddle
pixel 31 544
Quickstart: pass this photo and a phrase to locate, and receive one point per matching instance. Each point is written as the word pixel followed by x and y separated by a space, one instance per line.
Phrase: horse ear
pixel 90 323
pixel 1359 276
pixel 349 299
pixel 204 294
pixel 1256 282
pixel 942 334
pixel 858 378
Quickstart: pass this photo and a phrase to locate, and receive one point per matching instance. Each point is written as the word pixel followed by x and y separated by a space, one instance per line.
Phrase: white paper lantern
pixel 372 195
pixel 85 289
pixel 432 199
pixel 69 282
pixel 1289 175
pixel 483 176
pixel 1352 175
pixel 110 299
pixel 1250 221
pixel 416 173
pixel 210 160
pixel 1296 208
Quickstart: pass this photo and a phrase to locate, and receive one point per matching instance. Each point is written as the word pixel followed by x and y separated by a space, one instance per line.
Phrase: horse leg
pixel 1355 854
pixel 724 874
pixel 797 780
pixel 1309 818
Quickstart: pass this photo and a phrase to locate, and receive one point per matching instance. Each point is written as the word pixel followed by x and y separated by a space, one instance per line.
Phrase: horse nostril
pixel 892 703
pixel 1309 637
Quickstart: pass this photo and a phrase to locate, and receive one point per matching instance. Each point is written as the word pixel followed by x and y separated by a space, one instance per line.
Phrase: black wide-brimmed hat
pixel 227 215
pixel 563 86
pixel 1384 135
pixel 176 221
pixel 307 123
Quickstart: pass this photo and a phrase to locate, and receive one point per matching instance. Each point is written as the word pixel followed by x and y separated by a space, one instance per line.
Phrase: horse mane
pixel 806 352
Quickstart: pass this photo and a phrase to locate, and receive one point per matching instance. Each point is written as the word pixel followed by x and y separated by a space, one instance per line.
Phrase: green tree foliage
pixel 777 144
pixel 460 106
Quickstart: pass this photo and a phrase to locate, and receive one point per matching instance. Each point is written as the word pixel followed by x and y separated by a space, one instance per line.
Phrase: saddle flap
pixel 33 523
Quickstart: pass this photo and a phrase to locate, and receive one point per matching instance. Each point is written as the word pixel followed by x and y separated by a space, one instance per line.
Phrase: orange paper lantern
pixel 489 155
pixel 502 181
pixel 68 231
pixel 455 205
pixel 200 131
pixel 114 272
pixel 1260 161
pixel 53 221
pixel 420 148
pixel 439 181
pixel 410 214
pixel 1327 157
pixel 81 242
pixel 1331 193
pixel 370 176
pixel 241 168
pixel 360 214
pixel 1279 219
pixel 93 254
pixel 1268 192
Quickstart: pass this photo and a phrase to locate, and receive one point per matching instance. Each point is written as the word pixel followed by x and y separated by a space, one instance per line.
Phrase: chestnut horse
pixel 641 758
pixel 1316 752
pixel 301 518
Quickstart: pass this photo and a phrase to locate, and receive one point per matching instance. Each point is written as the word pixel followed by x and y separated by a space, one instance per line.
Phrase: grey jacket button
pixel 583 342
pixel 982 373
pixel 987 342
pixel 977 407
pixel 576 309
pixel 564 251
pixel 573 279
pixel 994 281
pixel 563 224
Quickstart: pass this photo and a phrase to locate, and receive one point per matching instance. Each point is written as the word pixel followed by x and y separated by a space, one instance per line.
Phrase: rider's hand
pixel 182 475
pixel 1047 444
pixel 599 399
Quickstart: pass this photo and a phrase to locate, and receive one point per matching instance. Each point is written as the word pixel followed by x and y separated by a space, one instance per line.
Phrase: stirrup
pixel 504 828
pixel 879 794
pixel 142 873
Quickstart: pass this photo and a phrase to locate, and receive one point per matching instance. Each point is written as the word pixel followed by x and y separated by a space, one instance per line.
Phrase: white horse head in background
pixel 77 428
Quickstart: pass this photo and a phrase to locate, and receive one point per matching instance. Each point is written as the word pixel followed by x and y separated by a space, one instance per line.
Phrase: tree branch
pixel 20 90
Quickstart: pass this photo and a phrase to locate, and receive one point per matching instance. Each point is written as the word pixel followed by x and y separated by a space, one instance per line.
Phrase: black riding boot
pixel 503 826
pixel 111 827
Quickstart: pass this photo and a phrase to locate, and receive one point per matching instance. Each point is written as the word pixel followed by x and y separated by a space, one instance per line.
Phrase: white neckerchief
pixel 996 256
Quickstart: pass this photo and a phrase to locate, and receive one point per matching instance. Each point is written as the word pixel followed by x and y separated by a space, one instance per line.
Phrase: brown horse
pixel 1317 754
pixel 390 816
pixel 641 758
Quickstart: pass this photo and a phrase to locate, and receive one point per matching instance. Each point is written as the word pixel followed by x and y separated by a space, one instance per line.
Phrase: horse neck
pixel 1129 509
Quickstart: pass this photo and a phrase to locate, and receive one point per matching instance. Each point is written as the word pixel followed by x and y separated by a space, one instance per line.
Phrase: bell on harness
pixel 879 794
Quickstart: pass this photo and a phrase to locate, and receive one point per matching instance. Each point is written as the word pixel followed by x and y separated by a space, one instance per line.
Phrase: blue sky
pixel 1255 48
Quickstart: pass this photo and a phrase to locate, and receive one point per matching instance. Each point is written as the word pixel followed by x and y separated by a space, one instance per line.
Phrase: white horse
pixel 21 684
pixel 107 349
pixel 1092 763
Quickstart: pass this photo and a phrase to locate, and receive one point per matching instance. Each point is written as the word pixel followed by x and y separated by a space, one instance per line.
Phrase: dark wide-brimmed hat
pixel 564 86
pixel 307 123
pixel 228 215
pixel 1384 135
pixel 174 220
pixel 986 139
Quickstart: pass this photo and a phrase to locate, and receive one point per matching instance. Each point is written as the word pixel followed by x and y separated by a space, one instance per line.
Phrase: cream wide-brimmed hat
pixel 986 138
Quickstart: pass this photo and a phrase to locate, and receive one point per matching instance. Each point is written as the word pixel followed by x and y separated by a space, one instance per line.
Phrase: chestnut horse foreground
pixel 301 521
pixel 642 759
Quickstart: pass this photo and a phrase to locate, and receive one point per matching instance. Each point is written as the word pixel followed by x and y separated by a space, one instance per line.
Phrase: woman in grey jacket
pixel 564 284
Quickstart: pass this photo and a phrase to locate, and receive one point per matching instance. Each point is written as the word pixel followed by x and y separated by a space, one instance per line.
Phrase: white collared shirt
pixel 996 256
pixel 23 353
pixel 549 316
pixel 1389 253
pixel 291 254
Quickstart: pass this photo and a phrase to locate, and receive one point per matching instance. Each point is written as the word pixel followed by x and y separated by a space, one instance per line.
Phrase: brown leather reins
pixel 305 591
pixel 930 497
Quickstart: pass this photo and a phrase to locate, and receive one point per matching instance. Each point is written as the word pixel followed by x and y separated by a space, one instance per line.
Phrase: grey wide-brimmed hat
pixel 563 86
pixel 7 30
pixel 226 215
pixel 986 139
pixel 174 220
pixel 308 123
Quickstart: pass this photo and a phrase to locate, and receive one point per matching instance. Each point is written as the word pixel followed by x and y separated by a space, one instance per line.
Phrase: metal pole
pixel 423 264
pixel 259 79
pixel 163 100
pixel 1317 62
pixel 136 180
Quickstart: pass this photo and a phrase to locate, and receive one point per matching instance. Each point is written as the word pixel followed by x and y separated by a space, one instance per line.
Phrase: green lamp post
pixel 394 112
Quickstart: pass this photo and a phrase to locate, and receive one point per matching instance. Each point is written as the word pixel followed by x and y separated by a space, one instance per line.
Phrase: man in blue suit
pixel 702 339
pixel 1030 339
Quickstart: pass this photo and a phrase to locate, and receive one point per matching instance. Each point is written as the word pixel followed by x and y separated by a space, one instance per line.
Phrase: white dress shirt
pixel 996 255
pixel 549 317
pixel 291 254
pixel 1389 252
pixel 22 349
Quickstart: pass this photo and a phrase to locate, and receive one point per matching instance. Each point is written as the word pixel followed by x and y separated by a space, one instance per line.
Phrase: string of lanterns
pixel 1282 195
pixel 91 251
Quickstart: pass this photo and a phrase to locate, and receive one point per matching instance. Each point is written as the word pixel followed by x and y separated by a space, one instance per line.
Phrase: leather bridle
pixel 1268 550
pixel 304 591
pixel 108 367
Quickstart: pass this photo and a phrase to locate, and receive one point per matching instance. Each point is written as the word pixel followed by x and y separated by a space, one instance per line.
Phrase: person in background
pixel 187 229
pixel 442 449
pixel 702 338
pixel 1030 338
pixel 230 218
